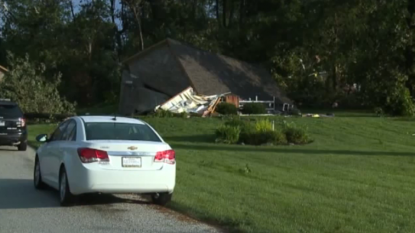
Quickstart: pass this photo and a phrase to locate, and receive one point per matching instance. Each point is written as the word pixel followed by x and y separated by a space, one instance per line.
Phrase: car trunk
pixel 130 155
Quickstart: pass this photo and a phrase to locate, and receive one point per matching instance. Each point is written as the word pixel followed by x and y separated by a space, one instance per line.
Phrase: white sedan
pixel 105 154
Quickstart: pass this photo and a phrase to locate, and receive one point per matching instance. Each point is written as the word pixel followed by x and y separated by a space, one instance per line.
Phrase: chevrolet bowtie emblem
pixel 132 148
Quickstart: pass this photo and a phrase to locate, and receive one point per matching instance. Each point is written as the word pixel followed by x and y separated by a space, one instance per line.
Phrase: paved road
pixel 24 209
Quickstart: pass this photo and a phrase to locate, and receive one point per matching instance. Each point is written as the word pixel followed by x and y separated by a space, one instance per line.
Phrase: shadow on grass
pixel 408 119
pixel 284 150
pixel 224 225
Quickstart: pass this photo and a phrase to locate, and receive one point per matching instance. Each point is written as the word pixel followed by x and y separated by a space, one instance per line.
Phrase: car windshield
pixel 119 131
pixel 10 111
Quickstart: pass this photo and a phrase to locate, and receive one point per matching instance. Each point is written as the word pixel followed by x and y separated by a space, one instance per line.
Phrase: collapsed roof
pixel 211 74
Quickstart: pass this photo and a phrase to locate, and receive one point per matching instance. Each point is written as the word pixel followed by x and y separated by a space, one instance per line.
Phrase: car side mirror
pixel 42 138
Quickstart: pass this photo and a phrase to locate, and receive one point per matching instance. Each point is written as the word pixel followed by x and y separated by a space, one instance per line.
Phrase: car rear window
pixel 119 131
pixel 10 111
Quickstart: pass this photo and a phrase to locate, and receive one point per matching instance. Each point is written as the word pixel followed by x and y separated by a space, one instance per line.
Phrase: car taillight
pixel 89 155
pixel 22 122
pixel 167 156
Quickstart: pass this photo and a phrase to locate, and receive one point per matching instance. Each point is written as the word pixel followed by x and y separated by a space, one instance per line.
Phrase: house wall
pixel 151 80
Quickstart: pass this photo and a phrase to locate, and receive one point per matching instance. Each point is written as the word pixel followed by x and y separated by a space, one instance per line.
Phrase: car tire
pixel 161 198
pixel 65 195
pixel 37 175
pixel 22 146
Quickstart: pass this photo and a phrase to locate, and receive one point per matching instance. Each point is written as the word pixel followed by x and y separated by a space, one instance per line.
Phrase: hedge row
pixel 261 132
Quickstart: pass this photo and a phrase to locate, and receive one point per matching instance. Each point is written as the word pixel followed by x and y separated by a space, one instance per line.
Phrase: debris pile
pixel 188 101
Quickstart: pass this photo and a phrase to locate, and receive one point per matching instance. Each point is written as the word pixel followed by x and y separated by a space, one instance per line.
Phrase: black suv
pixel 13 131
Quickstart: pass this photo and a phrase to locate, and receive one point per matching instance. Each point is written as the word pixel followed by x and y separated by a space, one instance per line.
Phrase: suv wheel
pixel 22 146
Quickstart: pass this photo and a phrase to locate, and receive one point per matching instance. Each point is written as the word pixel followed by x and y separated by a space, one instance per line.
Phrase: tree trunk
pixel 112 8
pixel 140 31
pixel 136 9
pixel 72 11
pixel 241 12
pixel 194 9
pixel 224 13
pixel 232 7
pixel 217 12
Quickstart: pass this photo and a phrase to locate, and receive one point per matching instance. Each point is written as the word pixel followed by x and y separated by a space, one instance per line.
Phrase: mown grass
pixel 358 176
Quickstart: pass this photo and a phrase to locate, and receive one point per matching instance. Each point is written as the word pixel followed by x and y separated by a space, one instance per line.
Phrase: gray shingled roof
pixel 211 73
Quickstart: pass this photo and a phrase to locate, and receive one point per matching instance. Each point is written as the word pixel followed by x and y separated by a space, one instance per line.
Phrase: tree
pixel 136 7
pixel 25 83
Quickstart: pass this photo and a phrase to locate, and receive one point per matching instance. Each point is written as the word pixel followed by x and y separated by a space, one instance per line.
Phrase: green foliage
pixel 254 108
pixel 227 134
pixel 226 109
pixel 237 122
pixel 295 134
pixel 261 132
pixel 403 104
pixel 253 137
pixel 263 125
pixel 161 113
pixel 378 111
pixel 26 84
pixel 332 45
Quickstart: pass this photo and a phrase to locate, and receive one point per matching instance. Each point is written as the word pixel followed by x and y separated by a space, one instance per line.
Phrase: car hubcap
pixel 63 186
pixel 37 173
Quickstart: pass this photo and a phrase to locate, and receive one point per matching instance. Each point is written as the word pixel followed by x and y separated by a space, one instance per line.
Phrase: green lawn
pixel 358 176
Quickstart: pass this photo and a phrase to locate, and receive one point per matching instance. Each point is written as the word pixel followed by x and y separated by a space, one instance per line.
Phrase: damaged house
pixel 172 71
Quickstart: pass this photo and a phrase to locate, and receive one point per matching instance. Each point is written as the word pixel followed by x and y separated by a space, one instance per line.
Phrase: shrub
pixel 263 125
pixel 226 109
pixel 165 113
pixel 236 122
pixel 295 134
pixel 378 111
pixel 228 134
pixel 260 133
pixel 253 137
pixel 254 108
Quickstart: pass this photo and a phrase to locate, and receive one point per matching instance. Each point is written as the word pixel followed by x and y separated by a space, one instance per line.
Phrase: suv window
pixel 119 131
pixel 70 131
pixel 57 135
pixel 10 111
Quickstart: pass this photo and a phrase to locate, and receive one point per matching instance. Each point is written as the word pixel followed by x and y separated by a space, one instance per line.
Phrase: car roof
pixel 109 119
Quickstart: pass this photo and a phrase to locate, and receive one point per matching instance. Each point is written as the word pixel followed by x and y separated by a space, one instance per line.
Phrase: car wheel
pixel 65 195
pixel 37 176
pixel 161 198
pixel 22 146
